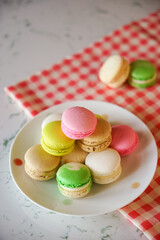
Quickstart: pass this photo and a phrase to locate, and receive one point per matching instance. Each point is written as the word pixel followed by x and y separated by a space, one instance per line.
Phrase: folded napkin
pixel 76 78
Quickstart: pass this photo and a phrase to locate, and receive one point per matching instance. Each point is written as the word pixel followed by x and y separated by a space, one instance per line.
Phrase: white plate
pixel 139 166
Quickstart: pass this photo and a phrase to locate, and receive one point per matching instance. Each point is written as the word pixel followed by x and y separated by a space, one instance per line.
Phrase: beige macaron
pixel 77 155
pixel 39 164
pixel 99 140
pixel 105 166
pixel 114 71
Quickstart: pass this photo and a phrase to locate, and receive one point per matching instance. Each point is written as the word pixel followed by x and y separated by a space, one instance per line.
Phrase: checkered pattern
pixel 76 78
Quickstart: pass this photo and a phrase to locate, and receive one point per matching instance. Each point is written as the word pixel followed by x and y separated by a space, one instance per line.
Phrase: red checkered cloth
pixel 76 78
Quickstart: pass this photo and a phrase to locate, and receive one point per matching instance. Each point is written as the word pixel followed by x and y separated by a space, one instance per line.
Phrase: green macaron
pixel 142 74
pixel 54 141
pixel 74 180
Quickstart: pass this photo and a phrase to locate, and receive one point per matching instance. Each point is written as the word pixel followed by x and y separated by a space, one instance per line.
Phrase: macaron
pixel 124 139
pixel 54 141
pixel 78 122
pixel 105 166
pixel 51 118
pixel 39 164
pixel 142 74
pixel 77 155
pixel 99 140
pixel 114 71
pixel 74 180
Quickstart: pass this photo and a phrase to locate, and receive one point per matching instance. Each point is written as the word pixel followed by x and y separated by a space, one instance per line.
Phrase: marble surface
pixel 34 34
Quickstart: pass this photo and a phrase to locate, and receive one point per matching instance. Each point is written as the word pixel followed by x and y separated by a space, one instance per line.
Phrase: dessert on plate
pixel 39 164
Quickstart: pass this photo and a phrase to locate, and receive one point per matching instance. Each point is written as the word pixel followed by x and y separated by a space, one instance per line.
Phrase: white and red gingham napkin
pixel 76 78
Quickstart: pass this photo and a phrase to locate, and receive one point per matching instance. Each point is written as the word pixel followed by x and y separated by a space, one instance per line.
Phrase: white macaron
pixel 114 71
pixel 105 166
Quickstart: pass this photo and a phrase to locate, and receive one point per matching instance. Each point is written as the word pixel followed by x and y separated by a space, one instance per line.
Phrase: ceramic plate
pixel 137 169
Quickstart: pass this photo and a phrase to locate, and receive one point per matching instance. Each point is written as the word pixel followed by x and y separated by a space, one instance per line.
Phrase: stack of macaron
pixel 116 70
pixel 79 147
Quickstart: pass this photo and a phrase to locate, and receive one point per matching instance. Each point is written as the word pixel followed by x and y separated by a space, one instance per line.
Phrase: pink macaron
pixel 78 122
pixel 124 139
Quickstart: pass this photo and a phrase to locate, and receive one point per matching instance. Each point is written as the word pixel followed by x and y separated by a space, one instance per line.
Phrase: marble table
pixel 34 35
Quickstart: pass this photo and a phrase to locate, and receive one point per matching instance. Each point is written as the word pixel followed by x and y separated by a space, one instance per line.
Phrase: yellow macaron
pixel 54 141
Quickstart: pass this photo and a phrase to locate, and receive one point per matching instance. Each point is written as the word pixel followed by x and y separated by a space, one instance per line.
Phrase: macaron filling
pixel 40 175
pixel 107 178
pixel 87 185
pixel 142 81
pixel 56 150
pixel 95 146
pixel 75 192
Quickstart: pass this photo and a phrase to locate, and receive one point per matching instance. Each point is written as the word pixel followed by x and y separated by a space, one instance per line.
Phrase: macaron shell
pixel 142 70
pixel 77 155
pixel 142 83
pixel 124 139
pixel 73 175
pixel 78 122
